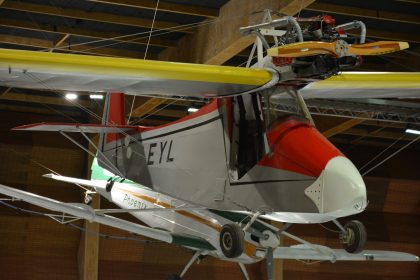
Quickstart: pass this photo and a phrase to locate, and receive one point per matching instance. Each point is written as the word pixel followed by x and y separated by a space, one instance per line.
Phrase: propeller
pixel 338 48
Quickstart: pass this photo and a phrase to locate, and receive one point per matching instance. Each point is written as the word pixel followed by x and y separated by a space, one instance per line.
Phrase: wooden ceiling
pixel 191 31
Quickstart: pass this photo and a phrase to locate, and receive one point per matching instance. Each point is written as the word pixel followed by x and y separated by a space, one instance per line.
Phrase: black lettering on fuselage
pixel 169 158
pixel 153 155
pixel 162 148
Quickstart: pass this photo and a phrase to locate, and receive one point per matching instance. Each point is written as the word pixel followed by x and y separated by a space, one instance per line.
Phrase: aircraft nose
pixel 339 190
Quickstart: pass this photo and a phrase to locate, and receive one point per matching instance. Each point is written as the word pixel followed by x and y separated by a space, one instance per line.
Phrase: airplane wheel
pixel 232 240
pixel 355 238
pixel 174 277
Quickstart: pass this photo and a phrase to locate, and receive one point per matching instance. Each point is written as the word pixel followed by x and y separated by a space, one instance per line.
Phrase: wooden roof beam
pixel 53 100
pixel 389 35
pixel 184 9
pixel 342 127
pixel 81 32
pixel 84 49
pixel 59 42
pixel 217 42
pixel 90 16
pixel 362 12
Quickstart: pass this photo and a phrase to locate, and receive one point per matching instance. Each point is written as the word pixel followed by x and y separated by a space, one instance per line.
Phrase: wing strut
pixel 83 211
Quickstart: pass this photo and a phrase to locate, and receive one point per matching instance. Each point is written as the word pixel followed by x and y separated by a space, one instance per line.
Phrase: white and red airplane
pixel 211 181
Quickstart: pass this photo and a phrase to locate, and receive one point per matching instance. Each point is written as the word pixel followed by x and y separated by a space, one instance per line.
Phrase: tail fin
pixel 114 114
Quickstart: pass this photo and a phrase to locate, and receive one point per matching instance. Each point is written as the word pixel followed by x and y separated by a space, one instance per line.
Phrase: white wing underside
pixel 322 253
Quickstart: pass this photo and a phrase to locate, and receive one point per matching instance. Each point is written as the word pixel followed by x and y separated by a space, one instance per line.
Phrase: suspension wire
pixel 300 8
pixel 381 153
pixel 154 112
pixel 38 163
pixel 159 32
pixel 153 33
pixel 392 155
pixel 145 54
pixel 83 229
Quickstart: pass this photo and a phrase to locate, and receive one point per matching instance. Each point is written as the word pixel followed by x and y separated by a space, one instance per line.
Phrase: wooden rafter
pixel 341 127
pixel 165 7
pixel 389 35
pixel 84 49
pixel 147 107
pixel 363 12
pixel 91 16
pixel 74 31
pixel 49 100
pixel 218 42
pixel 59 42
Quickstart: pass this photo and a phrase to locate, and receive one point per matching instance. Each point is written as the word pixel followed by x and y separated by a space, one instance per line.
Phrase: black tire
pixel 357 236
pixel 173 277
pixel 232 240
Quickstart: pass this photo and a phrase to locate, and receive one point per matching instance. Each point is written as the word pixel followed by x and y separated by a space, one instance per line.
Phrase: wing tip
pixel 403 45
pixel 27 126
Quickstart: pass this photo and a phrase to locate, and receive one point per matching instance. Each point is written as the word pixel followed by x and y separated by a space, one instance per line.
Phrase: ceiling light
pixel 96 96
pixel 192 110
pixel 412 131
pixel 71 96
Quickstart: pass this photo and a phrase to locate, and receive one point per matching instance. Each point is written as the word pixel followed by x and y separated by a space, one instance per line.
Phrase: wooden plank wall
pixel 33 247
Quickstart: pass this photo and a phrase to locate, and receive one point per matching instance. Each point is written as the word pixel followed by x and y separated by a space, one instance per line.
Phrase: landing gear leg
pixel 244 272
pixel 353 236
pixel 269 260
pixel 184 271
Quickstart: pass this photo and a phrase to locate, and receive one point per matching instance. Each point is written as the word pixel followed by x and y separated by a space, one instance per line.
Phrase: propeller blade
pixel 337 48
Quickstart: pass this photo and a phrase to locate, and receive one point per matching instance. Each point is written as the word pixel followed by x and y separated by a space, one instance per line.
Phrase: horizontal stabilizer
pixel 77 181
pixel 75 127
pixel 322 253
pixel 88 213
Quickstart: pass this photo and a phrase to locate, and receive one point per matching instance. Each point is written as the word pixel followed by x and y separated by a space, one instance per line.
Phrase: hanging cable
pixel 392 155
pixel 145 54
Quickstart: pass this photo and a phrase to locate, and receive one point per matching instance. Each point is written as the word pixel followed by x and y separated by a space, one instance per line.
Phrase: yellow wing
pixel 72 72
pixel 366 85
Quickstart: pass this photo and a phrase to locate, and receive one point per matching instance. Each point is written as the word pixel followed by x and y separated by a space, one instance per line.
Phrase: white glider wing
pixel 322 253
pixel 86 212
pixel 366 85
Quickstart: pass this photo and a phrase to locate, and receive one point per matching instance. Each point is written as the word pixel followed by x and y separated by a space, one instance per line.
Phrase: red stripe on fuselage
pixel 206 109
pixel 298 147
